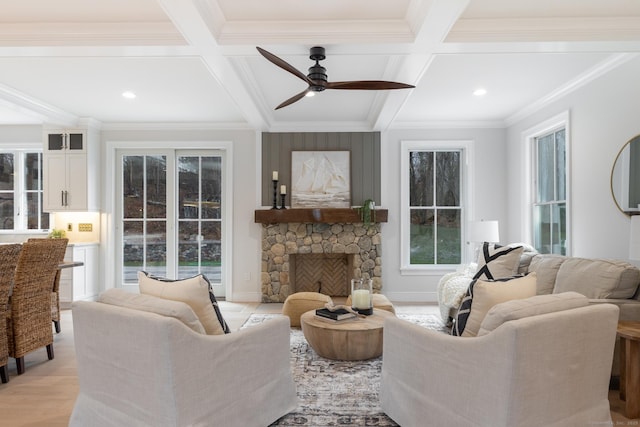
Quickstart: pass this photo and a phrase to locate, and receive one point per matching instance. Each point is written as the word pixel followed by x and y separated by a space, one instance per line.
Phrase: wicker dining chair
pixel 29 321
pixel 8 260
pixel 55 288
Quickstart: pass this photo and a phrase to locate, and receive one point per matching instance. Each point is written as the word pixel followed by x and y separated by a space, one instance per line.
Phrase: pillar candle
pixel 360 299
pixel 274 176
pixel 283 189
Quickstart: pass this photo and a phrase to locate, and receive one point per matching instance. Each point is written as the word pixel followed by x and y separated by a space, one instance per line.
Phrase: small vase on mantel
pixel 368 212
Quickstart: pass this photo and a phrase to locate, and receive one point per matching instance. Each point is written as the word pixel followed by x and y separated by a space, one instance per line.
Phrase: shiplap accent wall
pixel 365 160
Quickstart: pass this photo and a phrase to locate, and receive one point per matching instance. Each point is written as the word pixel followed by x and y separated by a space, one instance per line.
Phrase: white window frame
pixel 110 233
pixel 19 188
pixel 529 136
pixel 466 149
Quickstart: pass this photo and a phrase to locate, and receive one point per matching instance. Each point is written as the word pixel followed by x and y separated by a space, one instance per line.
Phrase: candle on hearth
pixel 360 299
pixel 274 176
pixel 283 189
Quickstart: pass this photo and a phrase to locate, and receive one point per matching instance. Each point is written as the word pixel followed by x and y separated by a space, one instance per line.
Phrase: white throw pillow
pixel 487 294
pixel 151 304
pixel 194 291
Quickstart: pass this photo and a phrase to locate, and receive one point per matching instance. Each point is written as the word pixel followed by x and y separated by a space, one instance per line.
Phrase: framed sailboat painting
pixel 320 179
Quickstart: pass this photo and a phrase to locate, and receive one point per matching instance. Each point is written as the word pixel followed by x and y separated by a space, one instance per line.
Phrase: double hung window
pixel 550 202
pixel 432 203
pixel 21 191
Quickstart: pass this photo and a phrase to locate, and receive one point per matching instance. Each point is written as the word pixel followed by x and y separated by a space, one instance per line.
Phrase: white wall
pixel 604 114
pixel 488 198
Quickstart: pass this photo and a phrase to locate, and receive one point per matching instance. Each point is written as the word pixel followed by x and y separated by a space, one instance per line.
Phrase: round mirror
pixel 625 178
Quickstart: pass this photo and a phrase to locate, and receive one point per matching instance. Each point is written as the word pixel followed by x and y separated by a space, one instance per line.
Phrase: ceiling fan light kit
pixel 317 77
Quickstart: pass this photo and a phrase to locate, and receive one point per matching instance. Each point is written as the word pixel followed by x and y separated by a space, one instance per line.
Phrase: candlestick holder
pixel 282 197
pixel 275 194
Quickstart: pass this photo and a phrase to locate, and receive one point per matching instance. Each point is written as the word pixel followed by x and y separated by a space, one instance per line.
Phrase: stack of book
pixel 335 315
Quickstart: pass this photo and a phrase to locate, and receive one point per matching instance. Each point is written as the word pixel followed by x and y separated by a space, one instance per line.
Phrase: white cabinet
pixel 79 283
pixel 65 141
pixel 70 179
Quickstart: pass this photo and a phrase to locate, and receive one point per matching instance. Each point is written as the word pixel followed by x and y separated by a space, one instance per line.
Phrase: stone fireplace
pixel 317 256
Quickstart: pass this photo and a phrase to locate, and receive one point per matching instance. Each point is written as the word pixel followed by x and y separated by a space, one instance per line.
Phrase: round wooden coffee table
pixel 353 339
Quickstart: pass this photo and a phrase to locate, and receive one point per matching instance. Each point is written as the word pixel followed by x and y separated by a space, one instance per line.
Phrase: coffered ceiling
pixel 194 62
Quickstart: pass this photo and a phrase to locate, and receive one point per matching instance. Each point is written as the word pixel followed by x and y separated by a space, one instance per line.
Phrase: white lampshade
pixel 634 239
pixel 483 231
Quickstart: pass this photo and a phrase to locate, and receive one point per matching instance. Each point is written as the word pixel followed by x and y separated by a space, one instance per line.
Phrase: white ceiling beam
pixel 601 28
pixel 539 47
pixel 99 51
pixel 89 34
pixel 192 24
pixel 439 17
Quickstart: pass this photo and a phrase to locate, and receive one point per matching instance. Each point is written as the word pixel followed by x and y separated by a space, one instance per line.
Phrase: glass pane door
pixel 144 221
pixel 171 222
pixel 200 216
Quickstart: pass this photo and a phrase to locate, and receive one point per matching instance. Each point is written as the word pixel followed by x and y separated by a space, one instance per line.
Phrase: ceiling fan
pixel 317 77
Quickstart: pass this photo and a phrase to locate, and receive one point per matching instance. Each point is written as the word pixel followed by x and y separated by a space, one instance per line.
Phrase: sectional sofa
pixel 600 280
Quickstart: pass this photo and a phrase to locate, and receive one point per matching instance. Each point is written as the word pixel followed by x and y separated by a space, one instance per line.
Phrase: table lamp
pixel 482 231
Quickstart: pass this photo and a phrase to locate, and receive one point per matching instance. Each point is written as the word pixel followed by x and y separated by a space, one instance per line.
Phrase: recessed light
pixel 480 92
pixel 128 94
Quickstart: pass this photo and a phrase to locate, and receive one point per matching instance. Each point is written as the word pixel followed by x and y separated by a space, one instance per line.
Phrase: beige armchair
pixel 550 369
pixel 145 369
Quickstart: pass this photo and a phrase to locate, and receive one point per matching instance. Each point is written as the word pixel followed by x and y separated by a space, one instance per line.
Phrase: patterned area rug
pixel 334 392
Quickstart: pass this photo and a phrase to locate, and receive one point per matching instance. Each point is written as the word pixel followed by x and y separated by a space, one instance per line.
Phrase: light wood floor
pixel 44 395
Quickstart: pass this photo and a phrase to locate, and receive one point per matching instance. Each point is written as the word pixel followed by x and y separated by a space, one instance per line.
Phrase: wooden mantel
pixel 319 215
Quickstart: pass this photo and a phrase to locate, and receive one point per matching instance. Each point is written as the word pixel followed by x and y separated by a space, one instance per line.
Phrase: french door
pixel 171 215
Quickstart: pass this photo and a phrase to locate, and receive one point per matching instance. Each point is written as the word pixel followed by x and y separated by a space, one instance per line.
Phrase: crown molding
pixel 315 126
pixel 316 32
pixel 90 34
pixel 36 108
pixel 447 124
pixel 611 63
pixel 180 126
pixel 545 29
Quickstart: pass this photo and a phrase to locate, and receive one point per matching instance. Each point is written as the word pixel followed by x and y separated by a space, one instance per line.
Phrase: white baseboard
pixel 427 297
pixel 245 297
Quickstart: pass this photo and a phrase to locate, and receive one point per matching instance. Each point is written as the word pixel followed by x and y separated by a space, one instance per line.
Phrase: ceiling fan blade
pixel 293 99
pixel 284 65
pixel 368 85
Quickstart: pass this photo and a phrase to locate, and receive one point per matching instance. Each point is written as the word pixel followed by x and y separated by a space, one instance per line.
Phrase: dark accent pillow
pixel 495 261
pixel 212 297
pixel 214 302
pixel 464 310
